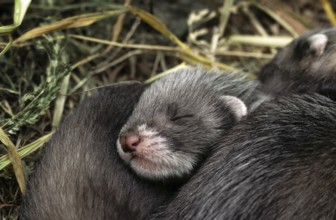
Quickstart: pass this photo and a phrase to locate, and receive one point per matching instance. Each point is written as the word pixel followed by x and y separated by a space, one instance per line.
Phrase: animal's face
pixel 169 132
pixel 313 53
pixel 306 64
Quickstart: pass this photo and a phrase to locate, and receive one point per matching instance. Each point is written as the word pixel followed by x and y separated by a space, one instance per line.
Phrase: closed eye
pixel 175 118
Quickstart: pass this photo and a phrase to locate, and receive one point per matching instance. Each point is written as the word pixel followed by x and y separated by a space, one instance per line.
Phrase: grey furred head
pixel 307 64
pixel 177 120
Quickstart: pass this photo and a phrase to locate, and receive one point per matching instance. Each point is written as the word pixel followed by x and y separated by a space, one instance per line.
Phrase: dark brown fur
pixel 304 66
pixel 80 175
pixel 282 166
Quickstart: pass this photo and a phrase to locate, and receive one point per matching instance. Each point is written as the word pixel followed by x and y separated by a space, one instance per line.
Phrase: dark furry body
pixel 299 68
pixel 282 166
pixel 80 175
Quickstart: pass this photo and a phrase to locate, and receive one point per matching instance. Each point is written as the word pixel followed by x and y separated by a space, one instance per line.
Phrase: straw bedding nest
pixel 56 53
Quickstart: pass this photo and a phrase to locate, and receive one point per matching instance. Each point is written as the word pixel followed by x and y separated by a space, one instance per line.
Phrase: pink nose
pixel 129 142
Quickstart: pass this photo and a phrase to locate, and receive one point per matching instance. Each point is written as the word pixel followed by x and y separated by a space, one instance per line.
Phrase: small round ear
pixel 318 43
pixel 237 106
